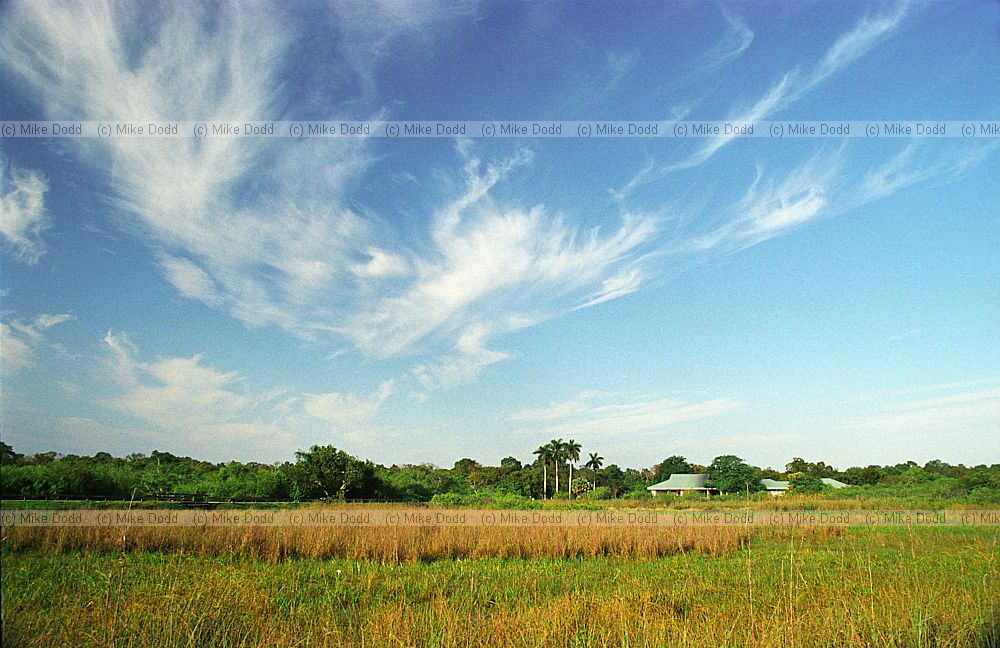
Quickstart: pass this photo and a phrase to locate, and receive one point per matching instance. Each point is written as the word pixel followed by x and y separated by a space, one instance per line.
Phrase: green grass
pixel 860 587
pixel 853 498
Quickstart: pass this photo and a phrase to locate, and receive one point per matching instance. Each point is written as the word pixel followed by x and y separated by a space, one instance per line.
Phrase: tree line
pixel 324 472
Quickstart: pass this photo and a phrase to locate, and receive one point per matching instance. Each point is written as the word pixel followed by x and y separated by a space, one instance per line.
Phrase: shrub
pixel 449 500
pixel 599 493
pixel 804 483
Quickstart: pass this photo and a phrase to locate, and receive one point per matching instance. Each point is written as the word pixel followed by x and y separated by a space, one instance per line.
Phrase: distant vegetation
pixel 324 472
pixel 492 586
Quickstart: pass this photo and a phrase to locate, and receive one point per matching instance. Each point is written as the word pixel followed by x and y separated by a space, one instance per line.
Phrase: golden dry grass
pixel 385 544
pixel 694 587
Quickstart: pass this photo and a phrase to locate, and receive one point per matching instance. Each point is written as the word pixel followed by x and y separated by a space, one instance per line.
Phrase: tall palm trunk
pixel 570 479
pixel 555 466
pixel 545 480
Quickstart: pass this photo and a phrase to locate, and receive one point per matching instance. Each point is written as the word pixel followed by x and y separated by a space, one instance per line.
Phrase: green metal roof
pixel 683 481
pixel 774 484
pixel 689 481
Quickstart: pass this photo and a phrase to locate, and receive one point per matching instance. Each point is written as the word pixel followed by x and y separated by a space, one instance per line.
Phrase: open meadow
pixel 499 323
pixel 520 586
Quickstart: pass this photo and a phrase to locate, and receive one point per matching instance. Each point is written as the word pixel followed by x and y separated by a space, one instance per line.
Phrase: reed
pixel 386 544
pixel 500 587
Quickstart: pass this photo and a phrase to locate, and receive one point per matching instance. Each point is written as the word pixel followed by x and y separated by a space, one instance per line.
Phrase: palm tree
pixel 595 463
pixel 558 456
pixel 544 453
pixel 573 454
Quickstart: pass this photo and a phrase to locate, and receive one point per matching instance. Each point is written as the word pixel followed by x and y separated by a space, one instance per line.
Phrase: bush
pixel 599 493
pixel 804 483
pixel 450 500
pixel 637 494
pixel 511 501
pixel 485 499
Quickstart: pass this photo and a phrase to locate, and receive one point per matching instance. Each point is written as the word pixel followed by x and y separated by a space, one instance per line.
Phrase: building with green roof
pixel 680 483
pixel 776 487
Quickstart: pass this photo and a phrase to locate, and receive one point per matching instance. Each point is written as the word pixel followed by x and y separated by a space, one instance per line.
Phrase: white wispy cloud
pixel 45 321
pixel 19 340
pixel 768 209
pixel 463 366
pixel 870 31
pixel 899 337
pixel 175 394
pixel 957 386
pixel 591 416
pixel 191 406
pixel 597 81
pixel 284 248
pixel 347 410
pixel 15 352
pixel 190 280
pixel 941 410
pixel 819 188
pixel 262 251
pixel 776 98
pixel 619 285
pixel 733 43
pixel 918 162
pixel 22 211
pixel 690 86
pixel 369 29
pixel 493 269
pixel 381 263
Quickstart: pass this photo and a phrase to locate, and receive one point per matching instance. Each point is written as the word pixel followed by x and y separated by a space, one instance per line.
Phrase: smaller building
pixel 680 483
pixel 776 487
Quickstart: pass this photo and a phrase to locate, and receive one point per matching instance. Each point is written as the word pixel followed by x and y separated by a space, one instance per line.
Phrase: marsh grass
pixel 501 587
pixel 386 544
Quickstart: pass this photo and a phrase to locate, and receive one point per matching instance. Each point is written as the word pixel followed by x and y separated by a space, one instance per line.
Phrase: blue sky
pixel 426 300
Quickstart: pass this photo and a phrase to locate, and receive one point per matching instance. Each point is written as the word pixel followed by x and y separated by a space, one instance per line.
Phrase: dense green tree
pixel 466 466
pixel 730 474
pixel 324 471
pixel 797 465
pixel 328 472
pixel 418 483
pixel 42 458
pixel 867 476
pixel 672 465
pixel 805 483
pixel 7 455
pixel 614 479
pixel 817 469
pixel 982 477
pixel 942 468
pixel 485 476
pixel 771 473
pixel 510 463
pixel 517 482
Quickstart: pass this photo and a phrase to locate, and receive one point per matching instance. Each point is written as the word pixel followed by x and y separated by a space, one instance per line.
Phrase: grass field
pixel 501 587
pixel 856 499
